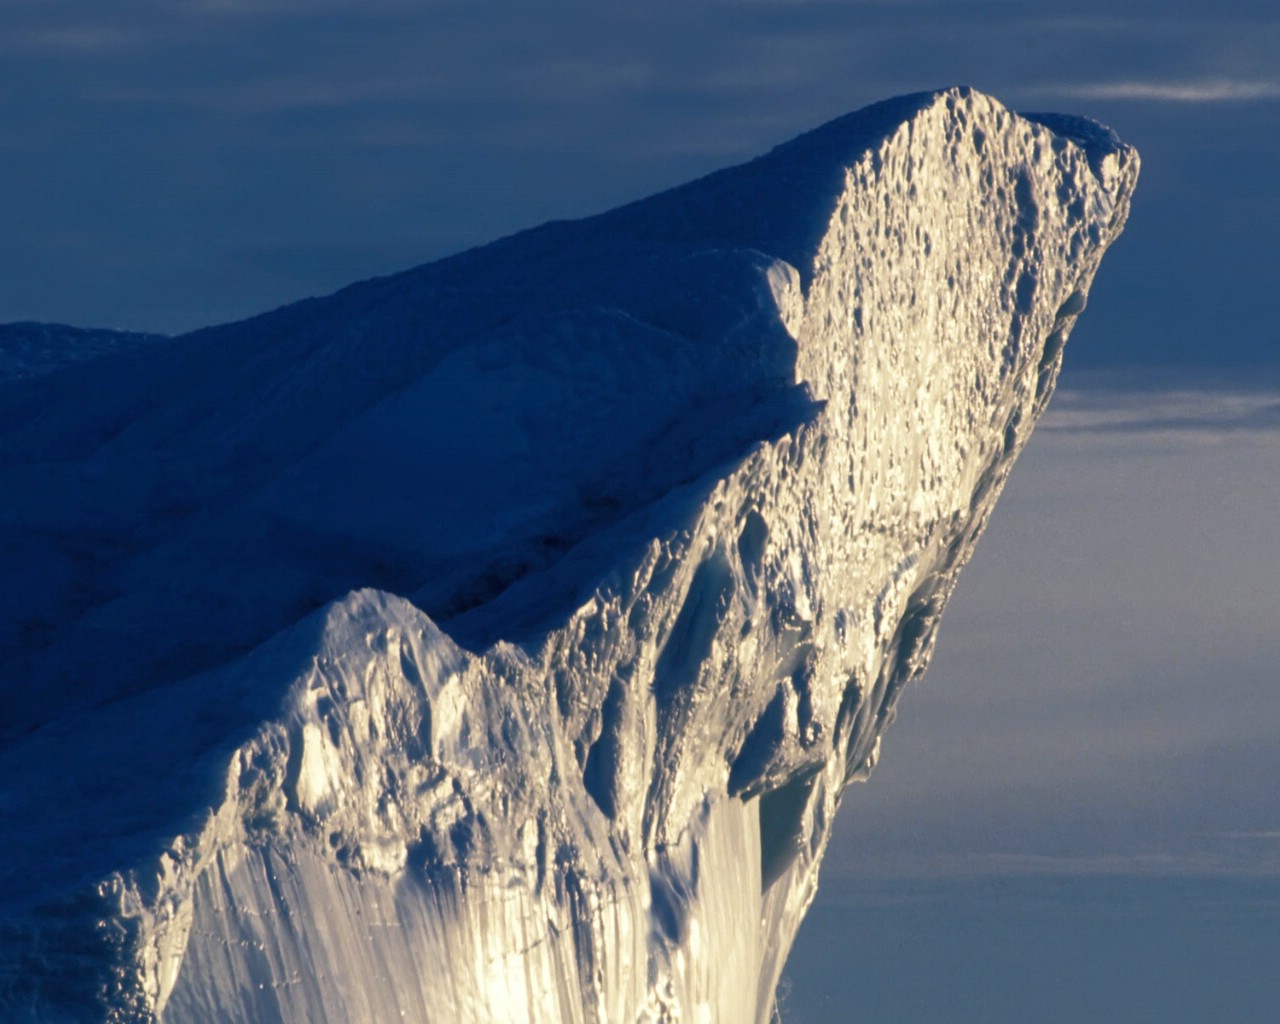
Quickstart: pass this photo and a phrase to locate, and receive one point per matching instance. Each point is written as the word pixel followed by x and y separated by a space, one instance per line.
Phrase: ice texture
pixel 30 350
pixel 495 641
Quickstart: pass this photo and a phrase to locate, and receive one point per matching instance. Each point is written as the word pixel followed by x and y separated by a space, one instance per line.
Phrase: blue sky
pixel 1102 706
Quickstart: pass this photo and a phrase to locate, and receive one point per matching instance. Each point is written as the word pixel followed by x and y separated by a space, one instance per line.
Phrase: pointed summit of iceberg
pixel 496 640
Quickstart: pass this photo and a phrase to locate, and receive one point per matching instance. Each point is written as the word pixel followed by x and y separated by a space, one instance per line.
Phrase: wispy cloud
pixel 1221 854
pixel 275 94
pixel 278 7
pixel 1204 90
pixel 1218 854
pixel 1206 411
pixel 74 40
pixel 1265 836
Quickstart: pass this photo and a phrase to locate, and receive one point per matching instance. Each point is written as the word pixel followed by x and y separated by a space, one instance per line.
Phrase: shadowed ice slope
pixel 29 350
pixel 671 498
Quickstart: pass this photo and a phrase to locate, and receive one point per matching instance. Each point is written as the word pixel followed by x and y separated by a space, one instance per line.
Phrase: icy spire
pixel 673 498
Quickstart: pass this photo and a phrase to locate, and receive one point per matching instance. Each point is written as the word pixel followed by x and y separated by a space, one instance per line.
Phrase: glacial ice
pixel 30 350
pixel 643 522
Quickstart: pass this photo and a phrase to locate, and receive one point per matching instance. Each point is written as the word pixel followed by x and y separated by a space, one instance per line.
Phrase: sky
pixel 1098 729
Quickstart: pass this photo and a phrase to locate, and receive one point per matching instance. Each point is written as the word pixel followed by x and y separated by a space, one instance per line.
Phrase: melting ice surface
pixel 495 641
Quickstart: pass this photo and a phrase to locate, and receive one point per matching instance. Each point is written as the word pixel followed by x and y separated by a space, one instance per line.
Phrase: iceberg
pixel 496 641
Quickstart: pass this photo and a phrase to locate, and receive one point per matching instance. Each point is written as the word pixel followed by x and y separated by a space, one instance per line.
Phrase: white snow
pixel 672 498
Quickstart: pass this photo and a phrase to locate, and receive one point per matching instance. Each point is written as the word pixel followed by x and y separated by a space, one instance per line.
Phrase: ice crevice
pixel 607 562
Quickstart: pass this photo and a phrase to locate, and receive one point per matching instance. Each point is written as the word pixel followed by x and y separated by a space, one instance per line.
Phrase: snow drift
pixel 495 641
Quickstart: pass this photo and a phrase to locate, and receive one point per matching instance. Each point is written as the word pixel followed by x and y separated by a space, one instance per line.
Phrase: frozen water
pixel 495 641
pixel 30 350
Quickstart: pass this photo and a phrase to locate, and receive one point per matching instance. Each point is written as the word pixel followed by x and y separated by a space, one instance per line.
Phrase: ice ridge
pixel 29 349
pixel 496 641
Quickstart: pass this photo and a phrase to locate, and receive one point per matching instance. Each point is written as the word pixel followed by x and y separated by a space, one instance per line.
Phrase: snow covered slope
pixel 495 641
pixel 33 349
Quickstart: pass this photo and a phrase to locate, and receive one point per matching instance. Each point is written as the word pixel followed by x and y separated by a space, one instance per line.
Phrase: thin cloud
pixel 1212 90
pixel 1268 836
pixel 256 8
pixel 1161 863
pixel 275 95
pixel 1222 854
pixel 76 39
pixel 1209 412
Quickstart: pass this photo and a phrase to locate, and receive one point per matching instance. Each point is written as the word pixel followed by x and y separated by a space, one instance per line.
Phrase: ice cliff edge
pixel 672 497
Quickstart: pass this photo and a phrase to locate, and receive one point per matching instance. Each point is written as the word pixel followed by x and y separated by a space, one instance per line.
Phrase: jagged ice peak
pixel 495 641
